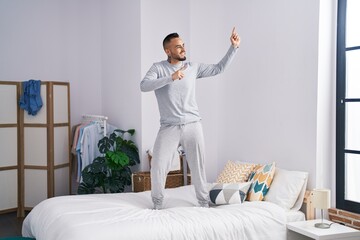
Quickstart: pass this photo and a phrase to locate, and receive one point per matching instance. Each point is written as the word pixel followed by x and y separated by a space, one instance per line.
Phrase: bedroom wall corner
pixel 121 51
pixel 326 106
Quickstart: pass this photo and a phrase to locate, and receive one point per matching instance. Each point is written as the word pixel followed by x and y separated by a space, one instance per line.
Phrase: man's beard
pixel 177 58
pixel 180 58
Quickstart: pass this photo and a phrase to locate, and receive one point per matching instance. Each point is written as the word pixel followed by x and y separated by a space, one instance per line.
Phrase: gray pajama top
pixel 176 99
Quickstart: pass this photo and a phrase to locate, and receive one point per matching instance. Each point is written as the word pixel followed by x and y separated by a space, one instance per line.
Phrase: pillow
pixel 286 188
pixel 235 172
pixel 260 179
pixel 229 193
pixel 300 200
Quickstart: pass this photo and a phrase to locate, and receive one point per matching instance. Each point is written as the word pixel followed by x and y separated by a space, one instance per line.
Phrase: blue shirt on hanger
pixel 30 99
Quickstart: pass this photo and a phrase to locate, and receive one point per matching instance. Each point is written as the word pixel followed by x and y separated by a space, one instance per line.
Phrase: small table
pixel 306 230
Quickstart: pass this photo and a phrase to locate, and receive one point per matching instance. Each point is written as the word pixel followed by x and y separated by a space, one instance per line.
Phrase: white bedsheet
pixel 129 216
pixel 295 216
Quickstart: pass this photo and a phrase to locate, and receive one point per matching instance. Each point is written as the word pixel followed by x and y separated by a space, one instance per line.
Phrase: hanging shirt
pixel 30 100
pixel 90 138
pixel 79 150
pixel 76 136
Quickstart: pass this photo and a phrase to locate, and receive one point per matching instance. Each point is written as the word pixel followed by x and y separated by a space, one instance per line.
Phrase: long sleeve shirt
pixel 89 142
pixel 176 99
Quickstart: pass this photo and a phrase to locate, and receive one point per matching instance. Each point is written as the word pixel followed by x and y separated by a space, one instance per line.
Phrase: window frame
pixel 341 100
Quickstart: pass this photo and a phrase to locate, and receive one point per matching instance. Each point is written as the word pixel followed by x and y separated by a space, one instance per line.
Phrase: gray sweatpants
pixel 190 137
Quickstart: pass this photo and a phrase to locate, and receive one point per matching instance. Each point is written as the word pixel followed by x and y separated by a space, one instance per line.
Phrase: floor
pixel 10 225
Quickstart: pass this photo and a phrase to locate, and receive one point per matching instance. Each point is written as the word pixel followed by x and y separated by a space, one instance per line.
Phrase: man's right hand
pixel 179 74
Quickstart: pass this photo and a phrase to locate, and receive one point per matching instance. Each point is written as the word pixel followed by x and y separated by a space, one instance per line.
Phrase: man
pixel 173 81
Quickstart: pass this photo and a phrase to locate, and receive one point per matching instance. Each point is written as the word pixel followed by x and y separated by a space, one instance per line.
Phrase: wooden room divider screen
pixel 35 150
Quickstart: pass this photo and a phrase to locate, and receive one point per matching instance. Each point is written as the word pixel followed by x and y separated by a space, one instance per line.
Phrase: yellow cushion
pixel 235 172
pixel 261 178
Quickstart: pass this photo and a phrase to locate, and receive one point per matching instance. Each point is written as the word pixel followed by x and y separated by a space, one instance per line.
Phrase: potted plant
pixel 111 173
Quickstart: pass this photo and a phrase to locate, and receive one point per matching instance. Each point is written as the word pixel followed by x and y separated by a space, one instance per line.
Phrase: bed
pixel 129 216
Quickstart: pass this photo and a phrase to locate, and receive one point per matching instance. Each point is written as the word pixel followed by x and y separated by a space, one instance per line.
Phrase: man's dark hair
pixel 168 38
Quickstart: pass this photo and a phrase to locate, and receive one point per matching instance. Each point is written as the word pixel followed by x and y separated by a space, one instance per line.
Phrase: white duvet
pixel 129 216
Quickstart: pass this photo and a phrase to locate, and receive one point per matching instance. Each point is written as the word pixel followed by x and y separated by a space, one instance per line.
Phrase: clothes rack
pixel 100 118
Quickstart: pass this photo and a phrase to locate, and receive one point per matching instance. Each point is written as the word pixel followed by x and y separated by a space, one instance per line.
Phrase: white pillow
pixel 287 188
pixel 300 200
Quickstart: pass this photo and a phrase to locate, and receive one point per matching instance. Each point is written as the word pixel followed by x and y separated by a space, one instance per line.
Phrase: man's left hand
pixel 235 39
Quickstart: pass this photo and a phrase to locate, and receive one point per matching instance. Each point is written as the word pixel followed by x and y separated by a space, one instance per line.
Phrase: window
pixel 348 106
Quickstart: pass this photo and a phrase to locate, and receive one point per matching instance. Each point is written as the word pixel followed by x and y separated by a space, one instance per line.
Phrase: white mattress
pixel 129 216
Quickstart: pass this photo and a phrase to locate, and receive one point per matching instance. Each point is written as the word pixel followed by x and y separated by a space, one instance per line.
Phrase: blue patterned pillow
pixel 261 179
pixel 229 193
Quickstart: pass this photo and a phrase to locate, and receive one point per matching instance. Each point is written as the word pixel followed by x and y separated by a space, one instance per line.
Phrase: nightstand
pixel 306 230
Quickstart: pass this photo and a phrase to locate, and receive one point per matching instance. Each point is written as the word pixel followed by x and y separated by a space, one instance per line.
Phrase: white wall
pixel 54 41
pixel 326 125
pixel 274 103
pixel 120 47
pixel 268 108
pixel 264 107
pixel 270 105
pixel 209 44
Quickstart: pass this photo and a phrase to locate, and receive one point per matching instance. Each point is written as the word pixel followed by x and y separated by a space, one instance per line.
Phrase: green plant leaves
pixel 99 165
pixel 85 189
pixel 131 151
pixel 105 144
pixel 110 173
pixel 116 160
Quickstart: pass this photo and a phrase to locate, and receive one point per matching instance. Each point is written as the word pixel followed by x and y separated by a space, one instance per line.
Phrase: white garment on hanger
pixel 91 136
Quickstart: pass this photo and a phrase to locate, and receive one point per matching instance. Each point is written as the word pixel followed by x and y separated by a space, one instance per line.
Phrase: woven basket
pixel 141 181
pixel 181 170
